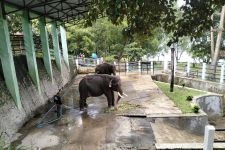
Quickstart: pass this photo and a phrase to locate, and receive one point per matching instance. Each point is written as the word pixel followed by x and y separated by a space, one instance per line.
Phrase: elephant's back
pixel 92 80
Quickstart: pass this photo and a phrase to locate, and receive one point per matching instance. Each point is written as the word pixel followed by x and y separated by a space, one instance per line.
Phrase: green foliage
pixel 144 16
pixel 179 96
pixel 201 48
pixel 195 108
pixel 109 59
pixel 189 98
pixel 134 52
pixel 14 23
pixel 107 39
pixel 80 40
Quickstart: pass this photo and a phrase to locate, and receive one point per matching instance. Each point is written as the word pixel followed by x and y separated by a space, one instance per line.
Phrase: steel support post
pixel 56 46
pixel 7 59
pixel 45 47
pixel 30 51
pixel 64 45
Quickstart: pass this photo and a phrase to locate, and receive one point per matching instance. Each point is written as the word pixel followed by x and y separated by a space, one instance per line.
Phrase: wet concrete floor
pixel 98 129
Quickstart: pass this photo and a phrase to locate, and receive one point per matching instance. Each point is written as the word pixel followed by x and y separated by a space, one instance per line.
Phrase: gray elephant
pixel 105 68
pixel 98 84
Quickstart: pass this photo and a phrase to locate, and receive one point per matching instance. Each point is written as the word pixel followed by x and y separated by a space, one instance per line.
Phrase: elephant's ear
pixel 110 83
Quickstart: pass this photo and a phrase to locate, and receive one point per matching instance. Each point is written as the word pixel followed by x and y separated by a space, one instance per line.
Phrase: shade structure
pixel 57 10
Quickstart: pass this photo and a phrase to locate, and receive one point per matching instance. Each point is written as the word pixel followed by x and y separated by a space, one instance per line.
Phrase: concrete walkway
pixel 97 129
pixel 141 90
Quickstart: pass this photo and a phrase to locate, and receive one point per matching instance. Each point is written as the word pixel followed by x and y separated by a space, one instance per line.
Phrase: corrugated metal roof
pixel 60 10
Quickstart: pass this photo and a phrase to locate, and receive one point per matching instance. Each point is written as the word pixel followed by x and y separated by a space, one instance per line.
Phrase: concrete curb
pixel 186 146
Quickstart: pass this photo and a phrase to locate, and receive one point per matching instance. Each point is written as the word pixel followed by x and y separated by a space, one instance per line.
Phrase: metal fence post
pixel 188 68
pixel 203 71
pixel 127 66
pixel 165 65
pixel 209 137
pixel 102 60
pixel 98 61
pixel 151 67
pixel 222 74
pixel 175 66
pixel 77 63
pixel 139 66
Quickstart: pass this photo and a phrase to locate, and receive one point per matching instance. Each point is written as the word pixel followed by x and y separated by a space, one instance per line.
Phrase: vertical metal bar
pixel 222 73
pixel 153 67
pixel 147 68
pixel 172 70
pixel 125 67
pixel 203 71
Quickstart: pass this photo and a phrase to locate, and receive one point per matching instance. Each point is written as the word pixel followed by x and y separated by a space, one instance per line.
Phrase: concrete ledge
pixel 211 104
pixel 186 146
pixel 157 115
pixel 86 70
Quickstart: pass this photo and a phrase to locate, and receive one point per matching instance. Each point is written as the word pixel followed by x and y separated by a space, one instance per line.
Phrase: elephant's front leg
pixel 113 99
pixel 81 103
pixel 110 98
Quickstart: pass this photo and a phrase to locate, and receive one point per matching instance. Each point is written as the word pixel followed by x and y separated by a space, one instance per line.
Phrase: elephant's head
pixel 115 85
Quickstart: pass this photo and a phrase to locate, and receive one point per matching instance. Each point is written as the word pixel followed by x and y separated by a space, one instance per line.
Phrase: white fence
pixel 201 71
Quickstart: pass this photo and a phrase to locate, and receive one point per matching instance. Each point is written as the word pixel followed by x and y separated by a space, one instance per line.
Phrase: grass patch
pixel 179 96
pixel 125 106
pixel 122 107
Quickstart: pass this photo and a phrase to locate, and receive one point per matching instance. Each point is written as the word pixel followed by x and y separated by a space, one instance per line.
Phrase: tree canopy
pixel 143 16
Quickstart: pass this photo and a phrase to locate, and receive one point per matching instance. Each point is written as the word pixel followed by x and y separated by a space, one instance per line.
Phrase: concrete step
pixel 186 146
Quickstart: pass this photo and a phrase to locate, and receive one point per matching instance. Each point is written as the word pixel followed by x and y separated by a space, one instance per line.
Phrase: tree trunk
pixel 212 40
pixel 172 70
pixel 218 41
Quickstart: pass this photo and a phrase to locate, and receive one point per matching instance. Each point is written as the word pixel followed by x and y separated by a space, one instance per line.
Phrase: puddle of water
pixel 96 129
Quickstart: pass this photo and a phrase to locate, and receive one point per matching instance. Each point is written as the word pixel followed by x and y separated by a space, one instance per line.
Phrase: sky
pixel 180 3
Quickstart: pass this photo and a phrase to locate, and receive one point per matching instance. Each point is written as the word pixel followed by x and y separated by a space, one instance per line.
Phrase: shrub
pixel 189 98
pixel 195 108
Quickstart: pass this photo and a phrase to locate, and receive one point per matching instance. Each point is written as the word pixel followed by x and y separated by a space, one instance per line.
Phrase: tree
pixel 218 41
pixel 200 48
pixel 182 46
pixel 143 16
pixel 134 52
pixel 109 38
pixel 80 40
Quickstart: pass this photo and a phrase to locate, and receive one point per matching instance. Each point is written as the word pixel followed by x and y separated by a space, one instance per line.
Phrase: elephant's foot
pixel 82 108
pixel 111 108
pixel 85 105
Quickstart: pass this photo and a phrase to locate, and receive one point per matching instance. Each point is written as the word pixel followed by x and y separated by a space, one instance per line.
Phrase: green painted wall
pixel 7 60
pixel 64 45
pixel 30 51
pixel 56 46
pixel 45 46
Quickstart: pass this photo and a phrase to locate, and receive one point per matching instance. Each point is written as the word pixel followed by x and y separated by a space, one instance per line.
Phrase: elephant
pixel 105 68
pixel 98 84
